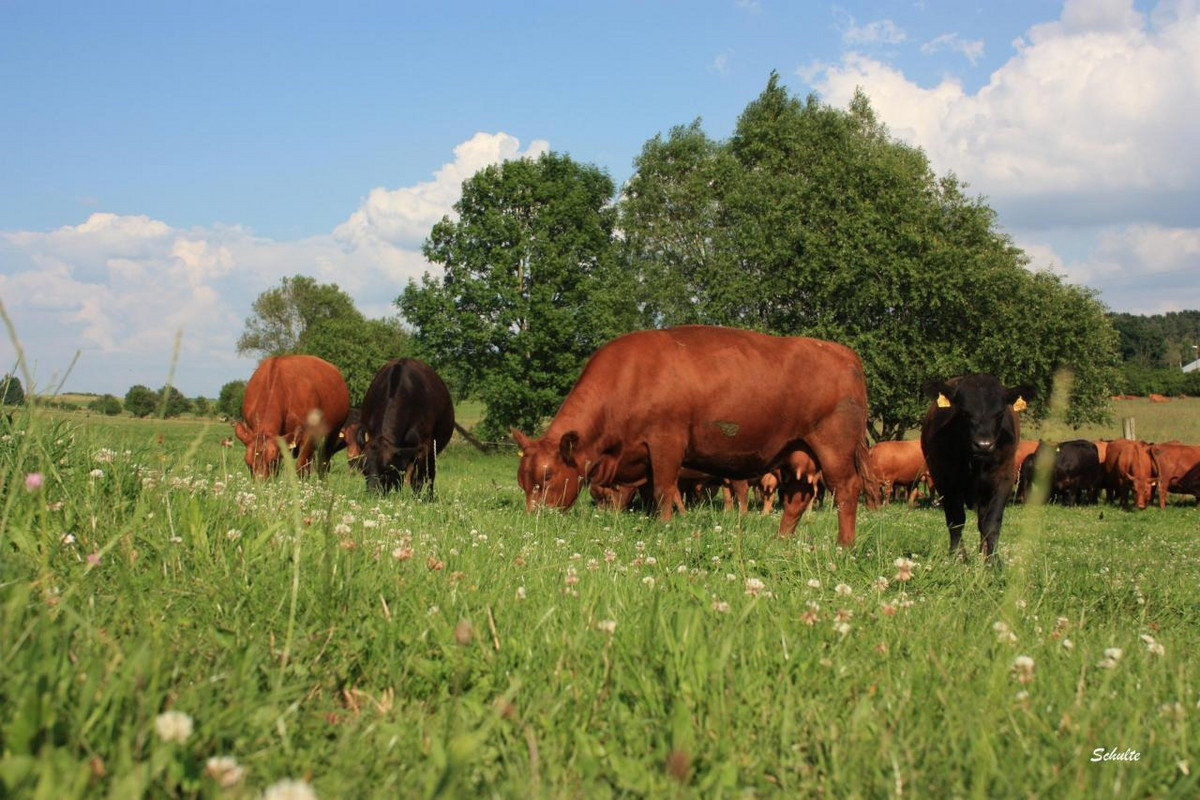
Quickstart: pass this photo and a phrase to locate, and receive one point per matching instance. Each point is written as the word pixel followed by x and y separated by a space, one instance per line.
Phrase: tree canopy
pixel 812 220
pixel 229 401
pixel 12 393
pixel 141 401
pixel 303 316
pixel 531 286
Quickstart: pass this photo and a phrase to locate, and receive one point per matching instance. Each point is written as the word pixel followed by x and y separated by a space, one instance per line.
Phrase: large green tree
pixel 531 286
pixel 303 316
pixel 359 347
pixel 229 401
pixel 281 315
pixel 812 220
pixel 141 401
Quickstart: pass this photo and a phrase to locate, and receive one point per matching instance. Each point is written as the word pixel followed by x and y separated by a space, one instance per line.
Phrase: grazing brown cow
pixel 898 464
pixel 725 401
pixel 302 399
pixel 1128 465
pixel 1178 468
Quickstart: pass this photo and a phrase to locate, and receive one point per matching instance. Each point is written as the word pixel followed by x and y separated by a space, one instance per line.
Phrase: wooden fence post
pixel 1128 428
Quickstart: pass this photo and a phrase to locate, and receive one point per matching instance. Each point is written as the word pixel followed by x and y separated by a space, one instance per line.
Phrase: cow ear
pixel 1018 397
pixel 242 433
pixel 938 391
pixel 605 472
pixel 567 446
pixel 521 439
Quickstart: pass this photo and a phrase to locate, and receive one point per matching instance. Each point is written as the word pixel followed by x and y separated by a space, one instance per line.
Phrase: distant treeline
pixel 1153 350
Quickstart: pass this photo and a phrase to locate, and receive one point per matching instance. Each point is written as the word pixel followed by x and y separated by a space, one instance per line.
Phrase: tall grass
pixel 382 647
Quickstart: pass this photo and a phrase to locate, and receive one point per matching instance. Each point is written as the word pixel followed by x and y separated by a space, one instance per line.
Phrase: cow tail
pixel 862 465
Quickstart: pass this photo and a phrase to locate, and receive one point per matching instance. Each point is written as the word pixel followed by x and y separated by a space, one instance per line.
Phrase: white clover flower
pixel 754 586
pixel 881 583
pixel 289 790
pixel 1112 655
pixel 607 625
pixel 843 589
pixel 173 726
pixel 1022 669
pixel 720 606
pixel 813 583
pixel 225 770
pixel 97 473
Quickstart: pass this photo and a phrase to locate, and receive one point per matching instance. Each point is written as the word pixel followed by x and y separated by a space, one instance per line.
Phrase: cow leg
pixel 912 495
pixel 741 494
pixel 422 474
pixel 665 463
pixel 956 519
pixel 838 469
pixel 796 496
pixel 991 515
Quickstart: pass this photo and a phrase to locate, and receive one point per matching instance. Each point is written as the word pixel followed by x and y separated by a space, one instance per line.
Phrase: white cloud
pixel 1101 101
pixel 404 217
pixel 1142 269
pixel 972 49
pixel 120 288
pixel 880 31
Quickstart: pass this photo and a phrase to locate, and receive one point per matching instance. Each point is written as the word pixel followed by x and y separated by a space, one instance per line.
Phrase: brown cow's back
pixel 301 398
pixel 725 401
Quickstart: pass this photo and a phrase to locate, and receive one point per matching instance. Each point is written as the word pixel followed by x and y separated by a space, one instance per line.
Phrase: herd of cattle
pixel 665 414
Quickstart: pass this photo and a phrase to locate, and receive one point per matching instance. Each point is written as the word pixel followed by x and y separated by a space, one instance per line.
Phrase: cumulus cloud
pixel 403 217
pixel 119 289
pixel 1105 100
pixel 1083 141
pixel 972 49
pixel 880 31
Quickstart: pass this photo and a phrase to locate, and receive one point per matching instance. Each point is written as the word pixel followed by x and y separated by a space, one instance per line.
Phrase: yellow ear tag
pixel 520 454
pixel 1020 405
pixel 943 401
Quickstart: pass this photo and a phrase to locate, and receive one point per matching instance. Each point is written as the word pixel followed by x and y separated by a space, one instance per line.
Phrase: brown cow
pixel 298 398
pixel 730 402
pixel 898 463
pixel 1178 468
pixel 1128 465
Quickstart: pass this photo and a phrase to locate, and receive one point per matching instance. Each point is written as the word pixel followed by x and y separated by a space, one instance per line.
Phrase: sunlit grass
pixel 381 647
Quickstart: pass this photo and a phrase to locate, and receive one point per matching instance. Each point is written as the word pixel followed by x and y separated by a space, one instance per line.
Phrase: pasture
pixel 381 647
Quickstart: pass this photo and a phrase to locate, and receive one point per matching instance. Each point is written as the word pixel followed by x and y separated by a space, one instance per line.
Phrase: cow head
pixel 385 463
pixel 262 451
pixel 983 406
pixel 549 473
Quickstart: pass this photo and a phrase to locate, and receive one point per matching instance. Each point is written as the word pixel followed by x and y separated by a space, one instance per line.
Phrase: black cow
pixel 969 438
pixel 407 418
pixel 1078 473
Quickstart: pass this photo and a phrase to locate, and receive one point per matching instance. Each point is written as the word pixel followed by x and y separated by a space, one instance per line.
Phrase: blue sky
pixel 164 163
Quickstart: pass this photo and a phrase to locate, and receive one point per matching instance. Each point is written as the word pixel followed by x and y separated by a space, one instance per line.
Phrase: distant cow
pixel 1078 473
pixel 693 485
pixel 969 438
pixel 898 464
pixel 299 398
pixel 1128 465
pixel 1178 468
pixel 802 467
pixel 407 419
pixel 347 439
pixel 729 402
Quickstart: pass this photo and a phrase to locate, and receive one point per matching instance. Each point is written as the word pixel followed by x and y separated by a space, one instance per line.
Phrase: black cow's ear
pixel 567 445
pixel 1019 395
pixel 935 389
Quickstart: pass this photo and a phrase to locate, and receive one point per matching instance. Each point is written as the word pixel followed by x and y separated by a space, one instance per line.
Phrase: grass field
pixel 158 610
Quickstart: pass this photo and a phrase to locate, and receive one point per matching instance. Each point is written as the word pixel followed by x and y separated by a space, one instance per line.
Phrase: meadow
pixel 170 628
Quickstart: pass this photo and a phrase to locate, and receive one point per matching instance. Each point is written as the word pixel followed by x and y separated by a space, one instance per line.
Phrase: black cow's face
pixel 983 406
pixel 384 463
